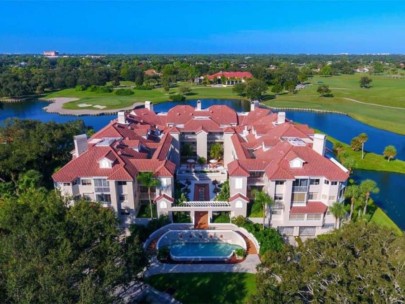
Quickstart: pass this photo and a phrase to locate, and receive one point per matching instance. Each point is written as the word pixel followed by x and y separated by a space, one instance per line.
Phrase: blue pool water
pixel 202 250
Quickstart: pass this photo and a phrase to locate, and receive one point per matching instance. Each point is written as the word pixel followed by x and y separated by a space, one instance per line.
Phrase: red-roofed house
pixel 229 78
pixel 261 151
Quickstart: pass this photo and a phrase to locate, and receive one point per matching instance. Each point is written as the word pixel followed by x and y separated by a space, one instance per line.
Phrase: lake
pixel 339 126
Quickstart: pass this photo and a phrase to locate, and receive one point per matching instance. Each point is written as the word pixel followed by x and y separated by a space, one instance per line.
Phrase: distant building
pixel 229 78
pixel 51 53
pixel 362 70
pixel 151 73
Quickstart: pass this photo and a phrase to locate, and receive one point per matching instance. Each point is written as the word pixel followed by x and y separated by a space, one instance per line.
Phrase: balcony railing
pixel 300 188
pixel 102 189
pixel 192 204
pixel 256 180
pixel 215 137
pixel 188 136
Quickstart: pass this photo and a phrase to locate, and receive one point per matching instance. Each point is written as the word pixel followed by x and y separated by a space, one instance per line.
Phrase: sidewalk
pixel 248 265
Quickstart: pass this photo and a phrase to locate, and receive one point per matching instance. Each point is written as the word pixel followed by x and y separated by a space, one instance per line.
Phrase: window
pixel 101 185
pixel 307 231
pixel 313 217
pixel 239 204
pixel 123 197
pixel 122 183
pixel 334 183
pixel 256 174
pixel 314 181
pixel 276 211
pixel 300 182
pixel 313 195
pixel 238 183
pixel 298 197
pixel 103 198
pixel 332 197
pixel 86 182
pixel 324 196
pixel 278 197
pixel 326 182
pixel 286 230
pixel 75 182
pixel 66 184
pixel 297 217
pixel 280 183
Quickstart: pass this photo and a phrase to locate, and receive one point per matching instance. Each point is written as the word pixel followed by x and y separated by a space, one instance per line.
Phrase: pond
pixel 339 126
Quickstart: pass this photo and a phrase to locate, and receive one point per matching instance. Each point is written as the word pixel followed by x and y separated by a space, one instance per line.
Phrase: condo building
pixel 262 151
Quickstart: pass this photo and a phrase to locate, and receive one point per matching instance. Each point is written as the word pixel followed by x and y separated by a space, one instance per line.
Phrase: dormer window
pixel 296 163
pixel 105 163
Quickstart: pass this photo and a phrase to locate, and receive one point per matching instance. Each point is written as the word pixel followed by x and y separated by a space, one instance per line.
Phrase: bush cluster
pixel 268 238
pixel 124 92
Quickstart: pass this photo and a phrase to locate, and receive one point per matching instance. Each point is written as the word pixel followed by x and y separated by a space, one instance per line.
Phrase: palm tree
pixel 338 211
pixel 265 200
pixel 390 152
pixel 362 138
pixel 353 192
pixel 367 187
pixel 147 179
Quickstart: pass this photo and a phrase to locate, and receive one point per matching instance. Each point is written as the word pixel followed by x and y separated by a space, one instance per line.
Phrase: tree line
pixel 32 75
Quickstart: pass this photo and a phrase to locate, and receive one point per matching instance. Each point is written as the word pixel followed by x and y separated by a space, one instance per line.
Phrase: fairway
pixel 112 101
pixel 385 92
pixel 196 288
pixel 371 106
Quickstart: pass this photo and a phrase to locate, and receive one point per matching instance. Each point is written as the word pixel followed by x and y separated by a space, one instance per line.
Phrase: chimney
pixel 149 105
pixel 319 143
pixel 198 107
pixel 254 104
pixel 121 118
pixel 81 146
pixel 280 118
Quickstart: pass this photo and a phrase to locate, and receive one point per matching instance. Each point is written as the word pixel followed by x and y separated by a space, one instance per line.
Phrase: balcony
pixel 215 137
pixel 101 189
pixel 300 189
pixel 255 181
pixel 188 137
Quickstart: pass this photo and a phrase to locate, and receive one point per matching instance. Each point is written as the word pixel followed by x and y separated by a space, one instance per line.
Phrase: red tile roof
pixel 311 207
pixel 238 195
pixel 230 75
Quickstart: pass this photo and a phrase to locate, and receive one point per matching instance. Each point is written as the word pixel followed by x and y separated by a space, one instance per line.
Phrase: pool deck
pixel 247 266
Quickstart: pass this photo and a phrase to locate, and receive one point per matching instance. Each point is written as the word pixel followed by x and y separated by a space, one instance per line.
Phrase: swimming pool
pixel 201 245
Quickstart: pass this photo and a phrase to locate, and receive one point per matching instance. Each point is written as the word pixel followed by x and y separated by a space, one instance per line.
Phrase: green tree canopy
pixel 265 200
pixel 359 263
pixel 255 89
pixel 390 152
pixel 240 89
pixel 324 90
pixel 52 253
pixel 35 145
pixel 367 187
pixel 147 180
pixel 338 211
pixel 365 82
pixel 216 151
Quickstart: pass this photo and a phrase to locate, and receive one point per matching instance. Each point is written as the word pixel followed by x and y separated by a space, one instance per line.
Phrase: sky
pixel 203 27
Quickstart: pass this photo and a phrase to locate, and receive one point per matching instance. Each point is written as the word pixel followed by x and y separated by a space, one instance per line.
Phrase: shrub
pixel 177 97
pixel 80 88
pixel 144 87
pixel 124 92
pixel 240 252
pixel 100 89
pixel 163 253
pixel 268 238
pixel 153 225
pixel 202 160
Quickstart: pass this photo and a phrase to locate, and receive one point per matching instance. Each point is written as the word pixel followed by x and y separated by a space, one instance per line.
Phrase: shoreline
pixel 56 106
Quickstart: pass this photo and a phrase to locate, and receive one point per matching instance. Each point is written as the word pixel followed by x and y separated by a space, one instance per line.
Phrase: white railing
pixel 300 189
pixel 204 204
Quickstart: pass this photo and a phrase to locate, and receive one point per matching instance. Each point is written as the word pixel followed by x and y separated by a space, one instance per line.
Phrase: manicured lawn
pixel 207 287
pixel 385 91
pixel 381 218
pixel 112 101
pixel 371 161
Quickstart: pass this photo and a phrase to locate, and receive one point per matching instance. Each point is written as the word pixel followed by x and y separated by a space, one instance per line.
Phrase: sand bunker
pixel 99 107
pixel 84 105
